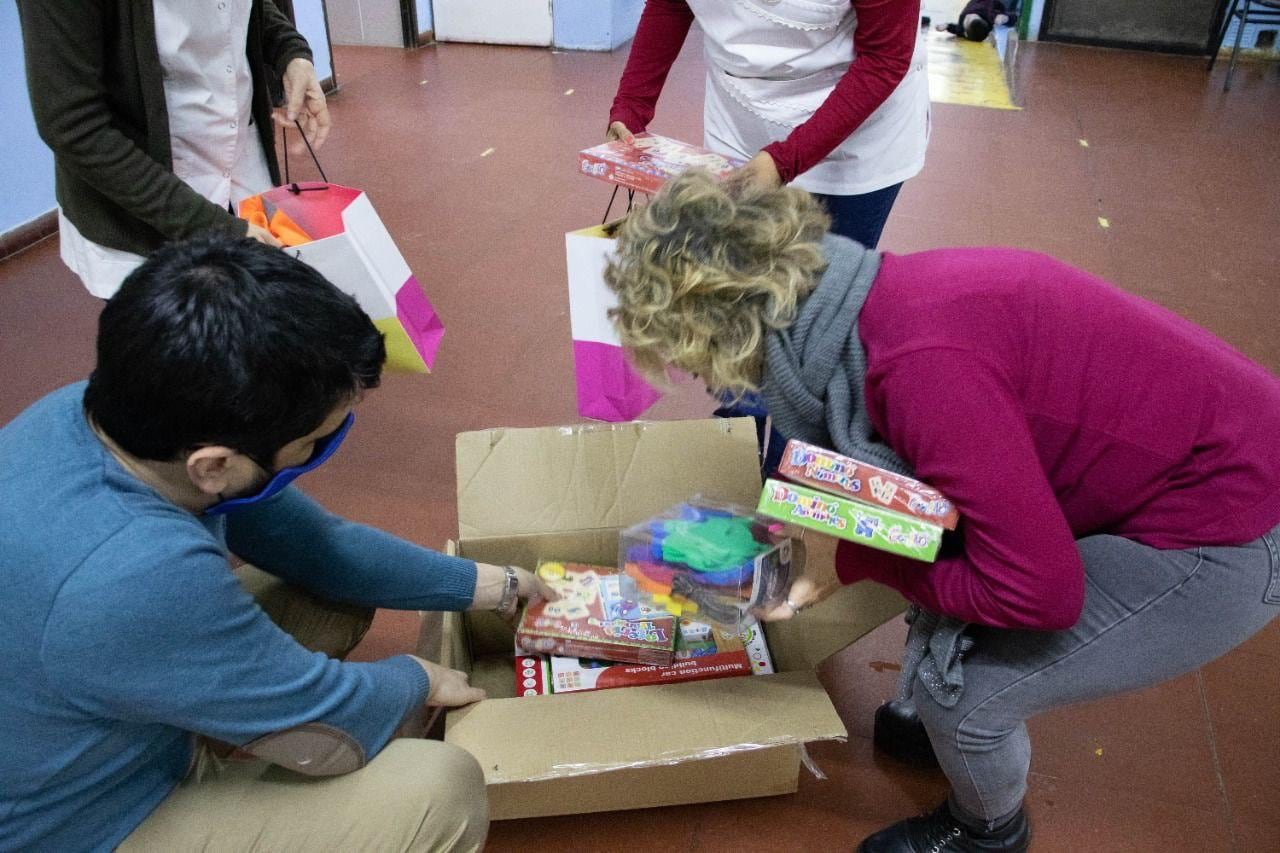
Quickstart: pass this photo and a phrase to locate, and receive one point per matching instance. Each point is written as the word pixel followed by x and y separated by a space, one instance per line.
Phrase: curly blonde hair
pixel 706 270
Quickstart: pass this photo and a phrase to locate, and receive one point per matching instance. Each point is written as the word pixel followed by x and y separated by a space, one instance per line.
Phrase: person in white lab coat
pixel 159 115
pixel 831 96
pixel 828 95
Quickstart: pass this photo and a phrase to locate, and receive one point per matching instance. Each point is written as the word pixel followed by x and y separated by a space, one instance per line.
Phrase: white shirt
pixel 772 63
pixel 208 90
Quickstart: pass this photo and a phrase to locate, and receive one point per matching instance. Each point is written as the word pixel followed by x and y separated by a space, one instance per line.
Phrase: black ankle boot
pixel 900 734
pixel 941 832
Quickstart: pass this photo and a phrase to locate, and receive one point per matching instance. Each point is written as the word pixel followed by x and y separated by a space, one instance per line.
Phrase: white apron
pixel 772 63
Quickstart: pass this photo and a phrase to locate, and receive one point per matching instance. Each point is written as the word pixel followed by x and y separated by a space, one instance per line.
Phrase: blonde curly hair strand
pixel 706 270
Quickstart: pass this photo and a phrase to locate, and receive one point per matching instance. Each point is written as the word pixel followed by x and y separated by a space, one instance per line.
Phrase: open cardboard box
pixel 563 494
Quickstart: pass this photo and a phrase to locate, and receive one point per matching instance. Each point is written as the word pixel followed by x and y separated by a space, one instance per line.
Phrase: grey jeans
pixel 1149 616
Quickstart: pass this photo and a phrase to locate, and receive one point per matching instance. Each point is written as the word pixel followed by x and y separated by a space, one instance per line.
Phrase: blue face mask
pixel 325 447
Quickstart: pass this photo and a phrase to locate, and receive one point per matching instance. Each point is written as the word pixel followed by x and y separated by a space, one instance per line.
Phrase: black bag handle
pixel 284 139
pixel 631 198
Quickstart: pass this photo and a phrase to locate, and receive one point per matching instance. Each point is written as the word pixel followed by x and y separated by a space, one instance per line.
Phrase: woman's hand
pixel 491 582
pixel 759 171
pixel 262 235
pixel 304 102
pixel 818 580
pixel 618 130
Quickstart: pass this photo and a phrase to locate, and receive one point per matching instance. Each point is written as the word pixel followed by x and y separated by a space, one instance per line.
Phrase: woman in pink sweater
pixel 1115 466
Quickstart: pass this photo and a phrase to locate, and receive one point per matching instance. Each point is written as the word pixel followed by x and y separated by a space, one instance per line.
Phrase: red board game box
pixel 594 619
pixel 650 161
pixel 828 471
pixel 702 653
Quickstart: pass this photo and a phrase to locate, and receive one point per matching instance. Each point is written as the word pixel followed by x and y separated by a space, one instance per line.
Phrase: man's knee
pixel 330 627
pixel 446 786
pixel 974 722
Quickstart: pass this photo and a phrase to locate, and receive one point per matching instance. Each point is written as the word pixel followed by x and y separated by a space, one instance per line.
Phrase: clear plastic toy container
pixel 712 562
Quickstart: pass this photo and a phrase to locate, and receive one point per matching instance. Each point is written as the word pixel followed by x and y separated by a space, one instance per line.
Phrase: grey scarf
pixel 813 388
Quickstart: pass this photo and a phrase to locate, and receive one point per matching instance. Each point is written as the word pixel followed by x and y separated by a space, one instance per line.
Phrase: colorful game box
pixel 702 652
pixel 650 161
pixel 855 521
pixel 711 562
pixel 595 617
pixel 828 471
pixel 533 674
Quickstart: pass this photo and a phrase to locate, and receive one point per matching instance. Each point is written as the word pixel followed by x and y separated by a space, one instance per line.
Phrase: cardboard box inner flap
pixel 563 494
pixel 518 481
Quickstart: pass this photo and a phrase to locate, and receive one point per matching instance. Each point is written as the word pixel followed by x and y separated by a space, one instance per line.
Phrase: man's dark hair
pixel 226 341
pixel 977 29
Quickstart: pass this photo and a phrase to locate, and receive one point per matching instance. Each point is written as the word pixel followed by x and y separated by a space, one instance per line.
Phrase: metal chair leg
pixel 1222 33
pixel 1231 67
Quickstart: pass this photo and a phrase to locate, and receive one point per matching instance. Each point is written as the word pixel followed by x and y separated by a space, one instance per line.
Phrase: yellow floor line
pixel 966 72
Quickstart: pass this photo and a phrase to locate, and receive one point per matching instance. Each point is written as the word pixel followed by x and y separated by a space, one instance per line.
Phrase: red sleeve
pixel 664 24
pixel 883 41
pixel 965 433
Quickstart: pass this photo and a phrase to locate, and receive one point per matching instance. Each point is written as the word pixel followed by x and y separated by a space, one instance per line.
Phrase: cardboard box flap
pixel 519 481
pixel 642 726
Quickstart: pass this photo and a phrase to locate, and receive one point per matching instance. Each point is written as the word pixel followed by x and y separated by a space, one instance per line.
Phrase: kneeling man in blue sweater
pixel 136 657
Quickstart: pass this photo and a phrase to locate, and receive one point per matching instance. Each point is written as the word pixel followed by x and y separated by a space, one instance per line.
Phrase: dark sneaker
pixel 940 832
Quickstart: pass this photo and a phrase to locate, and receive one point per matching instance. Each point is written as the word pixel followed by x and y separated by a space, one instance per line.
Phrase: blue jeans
pixel 860 218
pixel 1149 615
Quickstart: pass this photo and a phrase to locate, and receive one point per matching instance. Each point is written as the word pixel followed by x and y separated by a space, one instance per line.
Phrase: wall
pixel 312 25
pixel 366 22
pixel 594 24
pixel 26 170
pixel 1249 40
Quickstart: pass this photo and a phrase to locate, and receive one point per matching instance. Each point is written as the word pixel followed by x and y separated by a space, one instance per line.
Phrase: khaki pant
pixel 415 795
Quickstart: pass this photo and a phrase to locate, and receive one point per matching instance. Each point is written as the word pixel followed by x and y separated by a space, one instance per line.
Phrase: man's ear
pixel 213 470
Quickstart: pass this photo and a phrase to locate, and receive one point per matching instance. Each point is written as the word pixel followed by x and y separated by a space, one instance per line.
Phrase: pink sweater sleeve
pixel 664 25
pixel 960 425
pixel 883 41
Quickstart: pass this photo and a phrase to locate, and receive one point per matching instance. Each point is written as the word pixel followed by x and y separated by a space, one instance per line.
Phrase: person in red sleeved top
pixel 828 95
pixel 1116 467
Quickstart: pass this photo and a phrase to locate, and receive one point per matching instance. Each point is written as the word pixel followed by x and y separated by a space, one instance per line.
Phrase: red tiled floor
pixel 1154 742
pixel 1242 695
pixel 1186 176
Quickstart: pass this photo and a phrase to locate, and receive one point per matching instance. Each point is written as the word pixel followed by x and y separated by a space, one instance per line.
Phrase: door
pixel 494 21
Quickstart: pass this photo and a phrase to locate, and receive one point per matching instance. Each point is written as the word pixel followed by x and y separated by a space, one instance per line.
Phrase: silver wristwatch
pixel 510 593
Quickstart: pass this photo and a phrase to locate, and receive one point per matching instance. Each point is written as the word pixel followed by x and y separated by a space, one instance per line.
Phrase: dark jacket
pixel 97 92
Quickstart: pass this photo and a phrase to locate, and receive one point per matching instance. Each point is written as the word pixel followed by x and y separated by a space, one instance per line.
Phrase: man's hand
pixel 262 235
pixel 304 102
pixel 618 130
pixel 760 171
pixel 492 580
pixel 449 687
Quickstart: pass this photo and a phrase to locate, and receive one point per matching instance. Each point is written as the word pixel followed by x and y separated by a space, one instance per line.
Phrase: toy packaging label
pixel 649 162
pixel 828 471
pixel 702 652
pixel 852 520
pixel 595 619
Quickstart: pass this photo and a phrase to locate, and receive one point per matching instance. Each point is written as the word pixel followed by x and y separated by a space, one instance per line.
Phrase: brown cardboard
pixel 520 481
pixel 563 494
